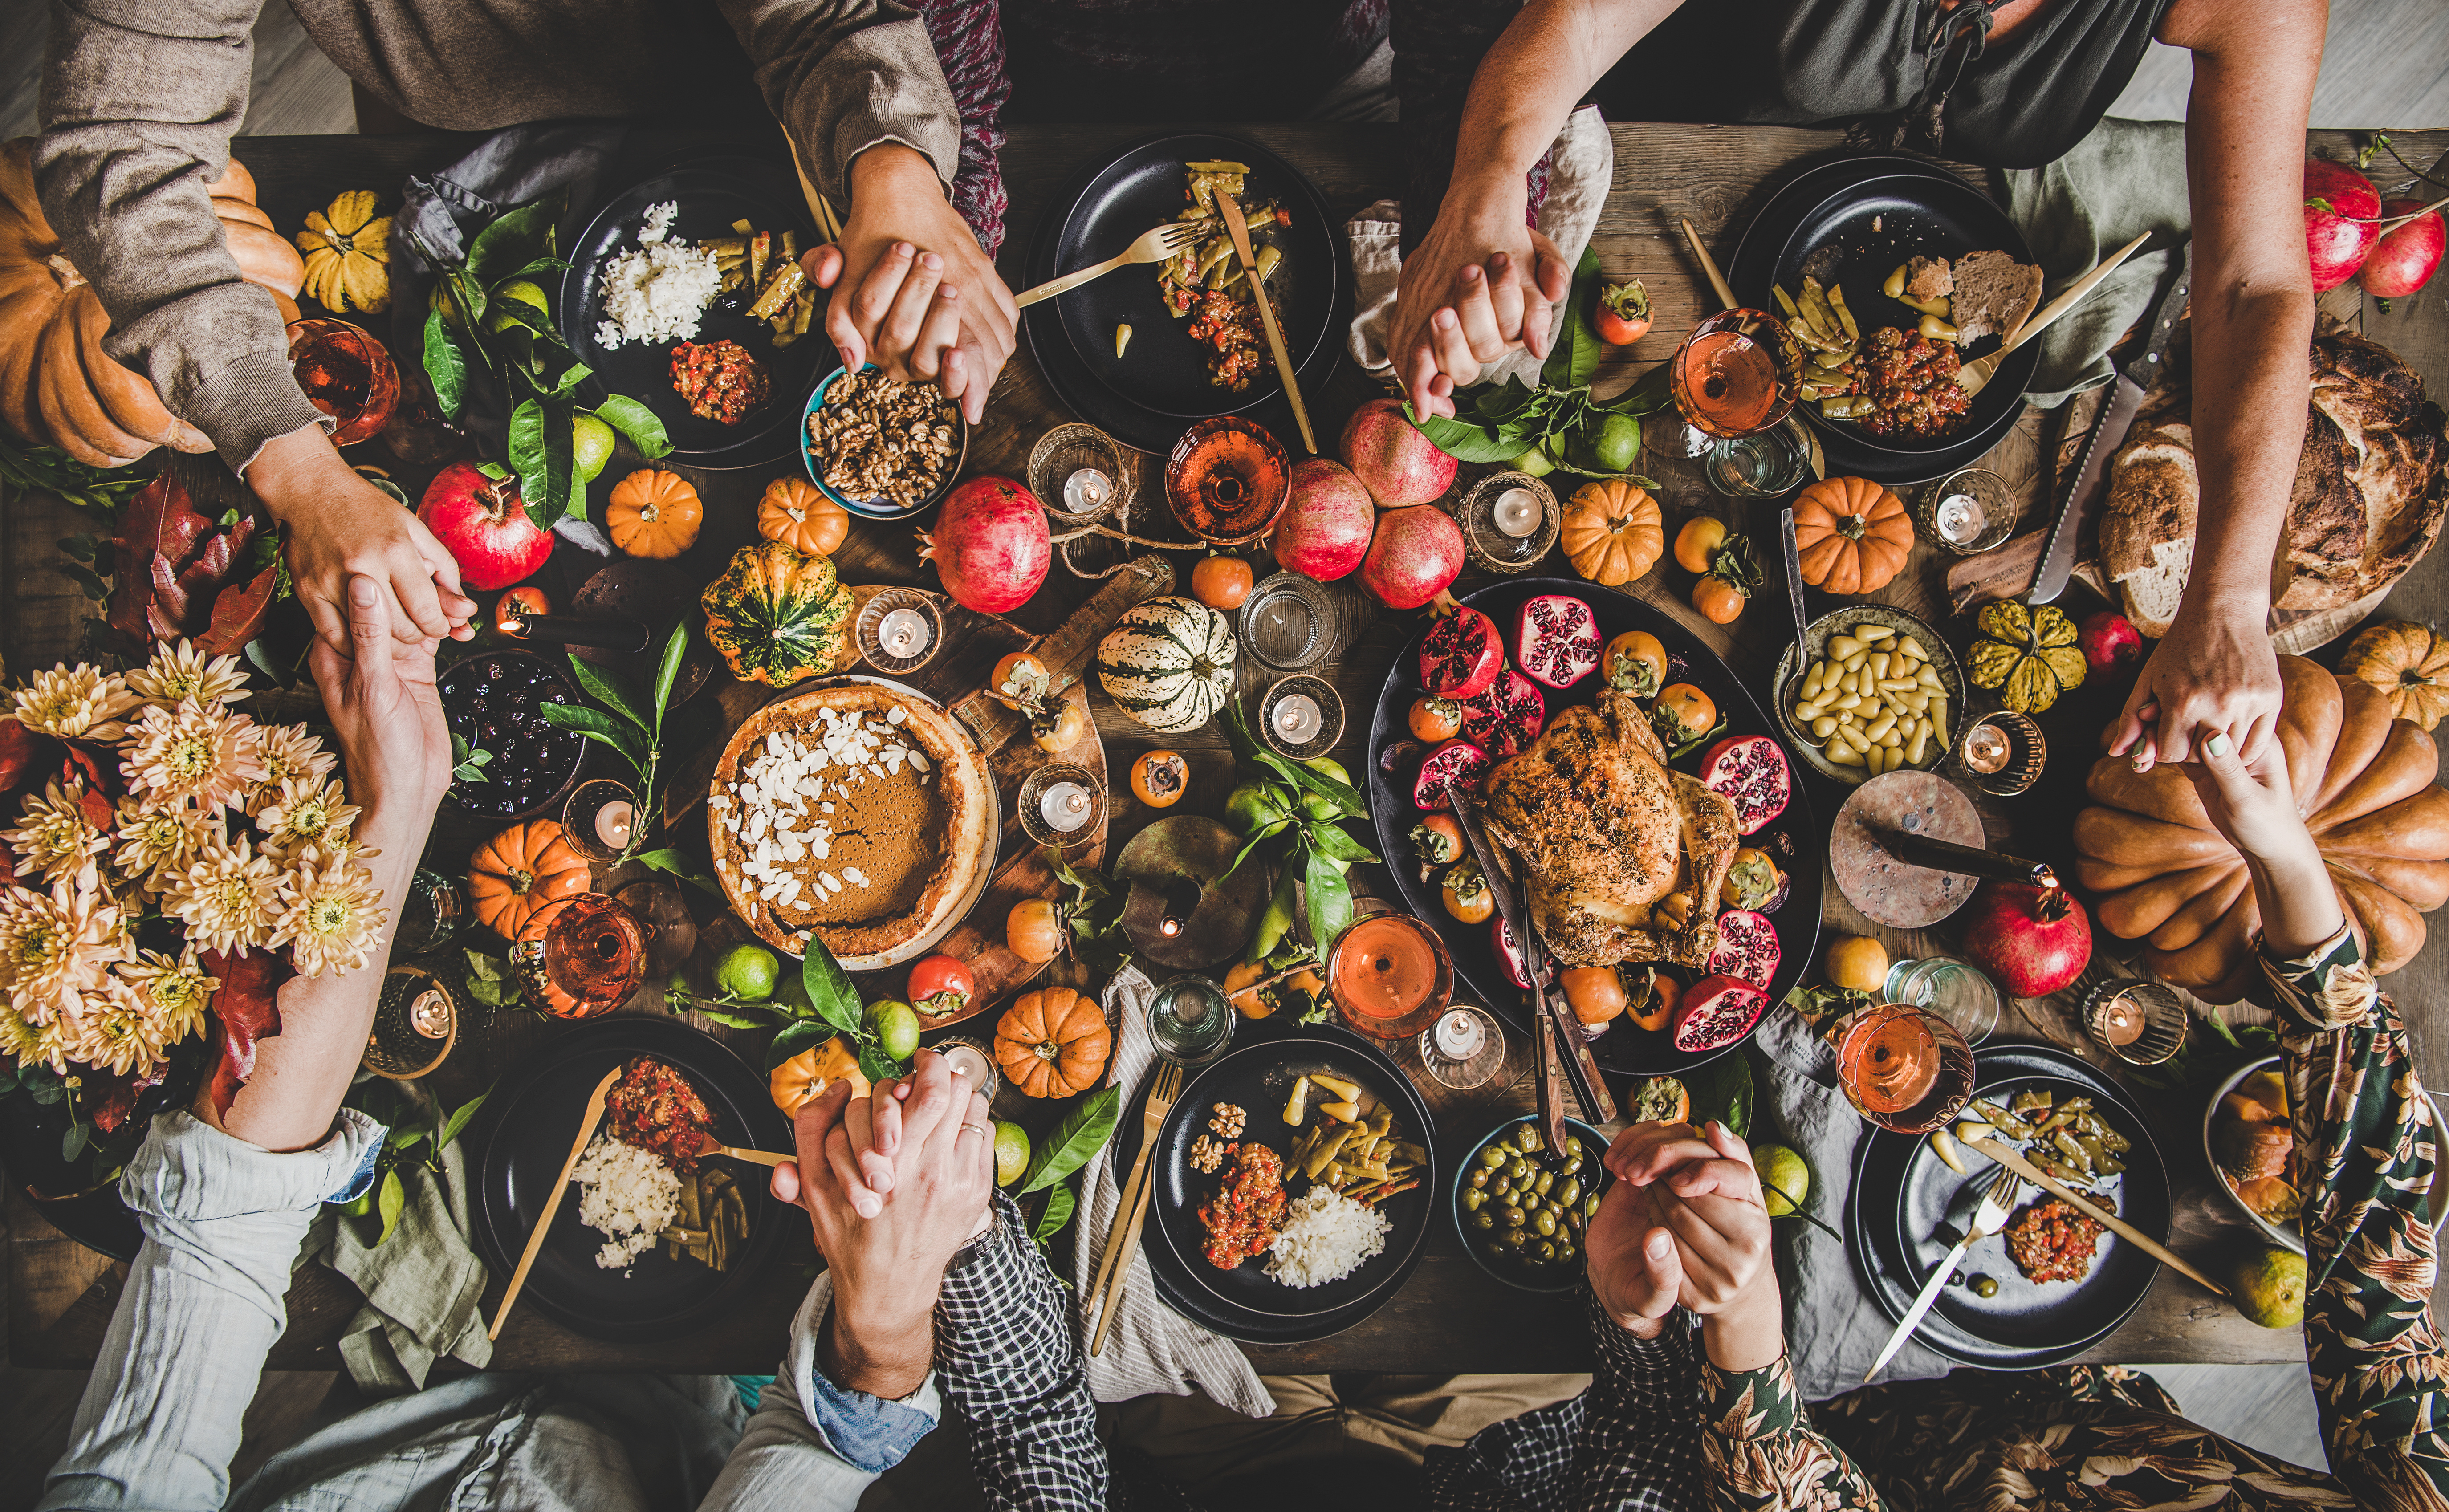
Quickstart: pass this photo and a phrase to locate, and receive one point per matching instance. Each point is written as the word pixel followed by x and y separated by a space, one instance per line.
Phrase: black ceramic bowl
pixel 493 701
pixel 1500 1262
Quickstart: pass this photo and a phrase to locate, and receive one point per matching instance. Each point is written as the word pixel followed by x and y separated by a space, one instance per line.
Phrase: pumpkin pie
pixel 857 814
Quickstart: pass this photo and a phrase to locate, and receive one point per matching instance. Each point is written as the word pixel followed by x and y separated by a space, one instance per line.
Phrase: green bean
pixel 1269 256
pixel 1837 302
pixel 1785 301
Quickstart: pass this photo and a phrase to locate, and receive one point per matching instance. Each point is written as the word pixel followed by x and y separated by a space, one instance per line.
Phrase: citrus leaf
pixel 1060 1201
pixel 675 652
pixel 458 1120
pixel 830 992
pixel 805 1035
pixel 392 1200
pixel 637 422
pixel 446 366
pixel 607 688
pixel 1083 1132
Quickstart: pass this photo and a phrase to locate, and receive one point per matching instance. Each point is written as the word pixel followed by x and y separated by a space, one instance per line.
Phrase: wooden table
pixel 1450 1317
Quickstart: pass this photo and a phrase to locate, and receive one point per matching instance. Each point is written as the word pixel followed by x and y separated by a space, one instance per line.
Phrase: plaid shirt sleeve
pixel 1005 1357
pixel 1631 1442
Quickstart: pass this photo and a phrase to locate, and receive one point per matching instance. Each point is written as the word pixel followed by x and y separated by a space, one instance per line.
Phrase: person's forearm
pixel 2248 430
pixel 2299 902
pixel 1749 1335
pixel 1532 77
pixel 847 75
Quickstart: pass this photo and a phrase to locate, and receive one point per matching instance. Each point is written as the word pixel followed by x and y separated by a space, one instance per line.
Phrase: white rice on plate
pixel 1324 1239
pixel 626 1194
pixel 657 291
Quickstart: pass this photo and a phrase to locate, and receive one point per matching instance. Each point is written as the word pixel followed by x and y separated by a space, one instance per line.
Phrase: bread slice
pixel 1929 278
pixel 1994 293
pixel 2147 533
pixel 2151 597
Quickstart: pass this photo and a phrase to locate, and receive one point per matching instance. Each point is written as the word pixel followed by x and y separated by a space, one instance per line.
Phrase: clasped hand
pixel 1481 284
pixel 1684 1225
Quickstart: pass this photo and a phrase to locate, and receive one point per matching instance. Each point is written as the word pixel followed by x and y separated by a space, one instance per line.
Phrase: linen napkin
pixel 1584 165
pixel 1150 1348
pixel 1834 1329
pixel 2126 178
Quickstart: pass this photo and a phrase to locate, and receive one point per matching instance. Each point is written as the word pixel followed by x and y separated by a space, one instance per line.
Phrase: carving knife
pixel 2109 432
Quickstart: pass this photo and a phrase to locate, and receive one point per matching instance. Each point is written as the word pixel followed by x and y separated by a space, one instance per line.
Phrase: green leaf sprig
pixel 637 734
pixel 1311 851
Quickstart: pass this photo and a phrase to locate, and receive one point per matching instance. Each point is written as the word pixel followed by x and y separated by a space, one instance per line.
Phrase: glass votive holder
pixel 900 630
pixel 1061 803
pixel 345 373
pixel 973 1060
pixel 1956 990
pixel 416 1021
pixel 1968 511
pixel 1464 1048
pixel 2140 1022
pixel 1190 1021
pixel 1510 521
pixel 1762 465
pixel 2001 754
pixel 1228 481
pixel 600 818
pixel 432 915
pixel 1080 474
pixel 1289 622
pixel 1301 717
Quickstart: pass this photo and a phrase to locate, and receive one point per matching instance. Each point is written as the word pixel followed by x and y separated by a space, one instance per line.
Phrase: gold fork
pixel 1157 245
pixel 1124 1241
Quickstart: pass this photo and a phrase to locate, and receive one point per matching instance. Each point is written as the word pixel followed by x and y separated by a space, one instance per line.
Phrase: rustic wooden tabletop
pixel 1450 1317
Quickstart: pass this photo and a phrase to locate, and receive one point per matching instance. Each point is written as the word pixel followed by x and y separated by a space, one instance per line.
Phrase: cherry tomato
pixel 1623 313
pixel 1434 719
pixel 941 983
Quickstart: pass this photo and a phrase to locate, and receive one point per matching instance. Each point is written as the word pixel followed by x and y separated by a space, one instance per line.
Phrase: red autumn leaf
pixel 237 614
pixel 175 567
pixel 117 1095
pixel 246 1008
pixel 160 525
pixel 22 750
pixel 97 767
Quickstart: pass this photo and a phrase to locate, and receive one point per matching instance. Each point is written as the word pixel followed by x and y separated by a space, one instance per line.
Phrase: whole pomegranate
pixel 481 522
pixel 1394 462
pixel 2341 212
pixel 2108 641
pixel 1324 533
pixel 2404 258
pixel 989 545
pixel 1415 553
pixel 2032 941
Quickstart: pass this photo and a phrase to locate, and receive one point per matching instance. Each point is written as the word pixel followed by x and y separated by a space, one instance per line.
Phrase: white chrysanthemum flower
pixel 182 674
pixel 120 1034
pixel 157 839
pixel 54 948
pixel 303 814
pixel 290 756
pixel 332 914
pixel 195 751
pixel 174 993
pixel 22 1041
pixel 228 896
pixel 54 837
pixel 75 703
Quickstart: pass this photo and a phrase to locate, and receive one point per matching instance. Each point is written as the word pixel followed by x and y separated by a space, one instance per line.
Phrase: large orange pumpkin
pixel 2363 782
pixel 653 514
pixel 1611 532
pixel 56 384
pixel 1052 1042
pixel 519 871
pixel 797 513
pixel 1851 534
pixel 2408 664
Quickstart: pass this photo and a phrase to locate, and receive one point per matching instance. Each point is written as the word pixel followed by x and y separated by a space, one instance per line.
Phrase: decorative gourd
pixel 2363 780
pixel 2029 655
pixel 1613 532
pixel 519 871
pixel 778 615
pixel 803 1077
pixel 653 514
pixel 1851 534
pixel 1169 663
pixel 2408 664
pixel 56 384
pixel 348 254
pixel 1052 1042
pixel 797 513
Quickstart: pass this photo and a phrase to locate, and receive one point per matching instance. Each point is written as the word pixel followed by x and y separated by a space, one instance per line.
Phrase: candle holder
pixel 2140 1022
pixel 1062 803
pixel 1494 508
pixel 1289 622
pixel 1301 717
pixel 1762 465
pixel 345 373
pixel 1464 1048
pixel 972 1057
pixel 1068 451
pixel 2001 754
pixel 910 641
pixel 1228 481
pixel 601 819
pixel 1970 510
pixel 415 1024
pixel 1190 1021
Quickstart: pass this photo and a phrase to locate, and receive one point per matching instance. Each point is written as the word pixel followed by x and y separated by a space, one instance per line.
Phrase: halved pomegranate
pixel 1462 655
pixel 1749 772
pixel 1555 639
pixel 1746 948
pixel 1457 762
pixel 1505 715
pixel 1716 1012
pixel 1507 951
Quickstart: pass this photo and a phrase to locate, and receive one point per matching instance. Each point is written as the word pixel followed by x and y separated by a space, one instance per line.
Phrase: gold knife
pixel 1240 230
pixel 2111 1221
pixel 587 1122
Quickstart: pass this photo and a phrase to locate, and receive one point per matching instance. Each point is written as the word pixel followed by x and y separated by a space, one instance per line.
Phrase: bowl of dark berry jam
pixel 496 700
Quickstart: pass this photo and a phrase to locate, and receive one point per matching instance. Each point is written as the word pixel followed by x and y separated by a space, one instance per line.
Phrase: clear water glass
pixel 1190 1021
pixel 1956 990
pixel 1762 465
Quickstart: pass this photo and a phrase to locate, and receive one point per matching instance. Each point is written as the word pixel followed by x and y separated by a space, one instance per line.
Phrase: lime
pixel 440 299
pixel 1618 443
pixel 747 972
pixel 1011 1152
pixel 1312 804
pixel 590 447
pixel 1252 807
pixel 1534 462
pixel 1784 1180
pixel 896 1027
pixel 2270 1288
pixel 518 291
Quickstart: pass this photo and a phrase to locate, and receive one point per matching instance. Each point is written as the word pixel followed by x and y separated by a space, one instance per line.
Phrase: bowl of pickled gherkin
pixel 1522 1206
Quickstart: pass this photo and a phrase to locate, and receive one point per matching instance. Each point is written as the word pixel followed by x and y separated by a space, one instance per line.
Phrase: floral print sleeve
pixel 2365 1149
pixel 1762 1452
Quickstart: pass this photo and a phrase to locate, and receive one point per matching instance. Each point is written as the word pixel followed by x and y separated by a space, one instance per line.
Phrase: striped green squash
pixel 1169 663
pixel 778 615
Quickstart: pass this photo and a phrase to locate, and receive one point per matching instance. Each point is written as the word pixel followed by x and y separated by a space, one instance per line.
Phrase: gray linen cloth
pixel 2128 177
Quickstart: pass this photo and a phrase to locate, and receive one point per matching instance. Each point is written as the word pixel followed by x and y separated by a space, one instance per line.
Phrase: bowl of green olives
pixel 1521 1205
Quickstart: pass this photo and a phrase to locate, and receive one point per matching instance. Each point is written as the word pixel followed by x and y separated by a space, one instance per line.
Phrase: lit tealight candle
pixel 1516 513
pixel 1460 1034
pixel 903 633
pixel 1960 518
pixel 1298 719
pixel 965 1060
pixel 1065 806
pixel 2121 1021
pixel 430 1013
pixel 1086 490
pixel 1986 748
pixel 614 823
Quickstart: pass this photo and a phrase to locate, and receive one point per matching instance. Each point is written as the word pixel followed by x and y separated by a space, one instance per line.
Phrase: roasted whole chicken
pixel 1620 858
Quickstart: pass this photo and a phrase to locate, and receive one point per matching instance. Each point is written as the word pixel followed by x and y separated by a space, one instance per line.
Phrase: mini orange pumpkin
pixel 2408 664
pixel 805 1077
pixel 1613 532
pixel 797 513
pixel 1852 535
pixel 1052 1042
pixel 519 871
pixel 653 514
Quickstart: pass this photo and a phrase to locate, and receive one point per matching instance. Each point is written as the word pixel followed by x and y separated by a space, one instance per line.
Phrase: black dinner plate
pixel 1918 210
pixel 1901 1194
pixel 527 1126
pixel 711 195
pixel 1245 1304
pixel 1623 1047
